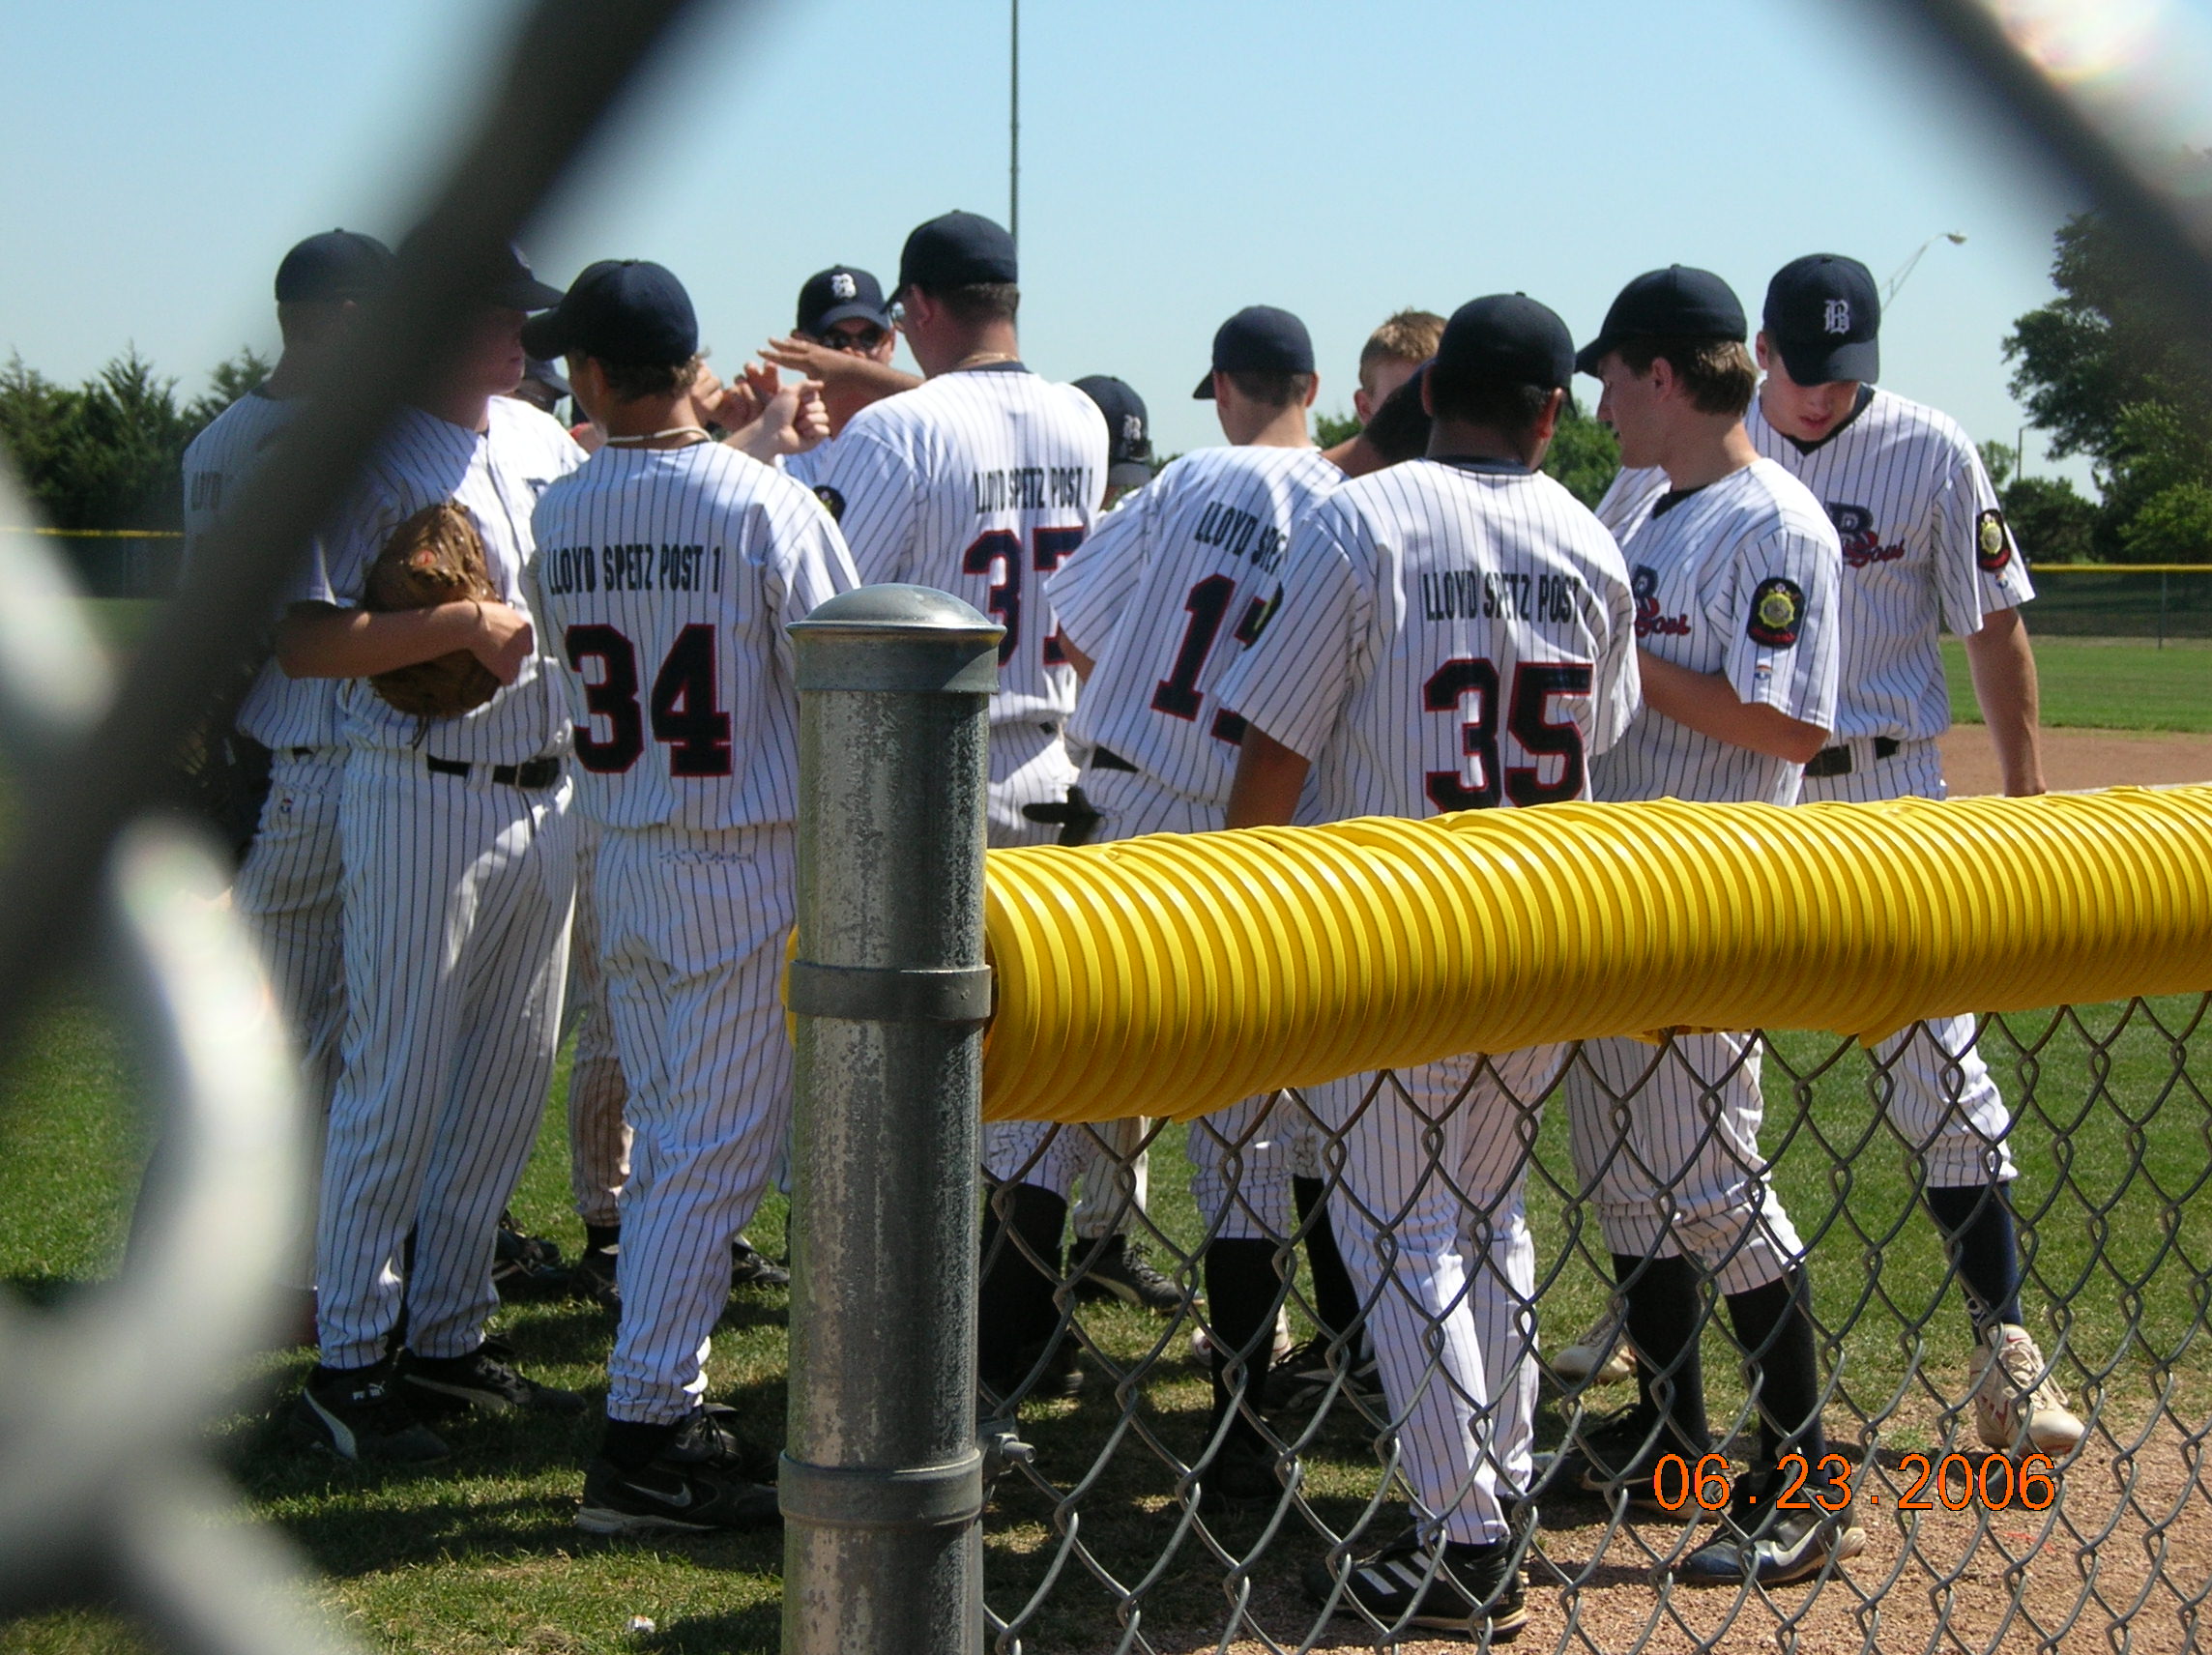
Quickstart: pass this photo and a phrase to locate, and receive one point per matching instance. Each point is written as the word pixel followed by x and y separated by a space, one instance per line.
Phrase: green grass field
pixel 481 1555
pixel 2099 684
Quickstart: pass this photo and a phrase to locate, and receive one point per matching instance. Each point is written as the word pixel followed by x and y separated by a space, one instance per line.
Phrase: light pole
pixel 1015 127
pixel 1906 269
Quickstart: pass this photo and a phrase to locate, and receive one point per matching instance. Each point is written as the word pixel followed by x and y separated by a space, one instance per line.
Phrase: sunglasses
pixel 865 340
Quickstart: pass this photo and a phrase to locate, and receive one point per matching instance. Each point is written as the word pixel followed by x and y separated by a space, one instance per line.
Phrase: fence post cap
pixel 937 643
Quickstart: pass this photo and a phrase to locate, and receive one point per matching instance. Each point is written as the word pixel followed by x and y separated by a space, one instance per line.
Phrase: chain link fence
pixel 2165 603
pixel 1107 1539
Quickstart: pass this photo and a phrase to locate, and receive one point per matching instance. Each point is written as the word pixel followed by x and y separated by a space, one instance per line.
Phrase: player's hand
pixel 730 407
pixel 804 357
pixel 810 420
pixel 502 639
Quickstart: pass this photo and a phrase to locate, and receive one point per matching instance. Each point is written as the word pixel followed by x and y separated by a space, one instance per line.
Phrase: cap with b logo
pixel 498 273
pixel 1259 339
pixel 1677 302
pixel 1823 313
pixel 334 266
pixel 842 293
pixel 1508 339
pixel 1128 429
pixel 623 310
pixel 960 250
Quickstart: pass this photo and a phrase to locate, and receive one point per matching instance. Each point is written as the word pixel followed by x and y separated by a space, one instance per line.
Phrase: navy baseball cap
pixel 1824 313
pixel 1129 431
pixel 547 375
pixel 334 266
pixel 1506 338
pixel 623 310
pixel 1259 339
pixel 842 293
pixel 502 277
pixel 960 250
pixel 1677 302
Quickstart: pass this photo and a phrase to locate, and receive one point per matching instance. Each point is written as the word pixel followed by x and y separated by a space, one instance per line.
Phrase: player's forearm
pixel 1269 777
pixel 1709 703
pixel 2003 669
pixel 1082 664
pixel 318 641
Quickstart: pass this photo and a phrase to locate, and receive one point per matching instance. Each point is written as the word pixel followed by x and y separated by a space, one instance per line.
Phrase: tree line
pixel 108 454
pixel 2101 370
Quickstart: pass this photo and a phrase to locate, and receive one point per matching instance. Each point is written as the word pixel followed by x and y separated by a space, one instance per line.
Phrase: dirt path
pixel 2077 759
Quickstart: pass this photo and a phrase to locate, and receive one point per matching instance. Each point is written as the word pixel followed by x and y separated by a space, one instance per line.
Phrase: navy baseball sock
pixel 1014 1309
pixel 1240 1288
pixel 1774 1326
pixel 1335 1300
pixel 601 1237
pixel 1984 1243
pixel 631 1443
pixel 1663 1320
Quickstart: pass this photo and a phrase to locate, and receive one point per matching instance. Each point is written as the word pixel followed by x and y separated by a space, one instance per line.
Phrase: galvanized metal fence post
pixel 882 1481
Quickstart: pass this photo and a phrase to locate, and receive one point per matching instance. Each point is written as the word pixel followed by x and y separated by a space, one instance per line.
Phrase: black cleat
pixel 1766 1545
pixel 1301 1379
pixel 749 1267
pixel 591 1279
pixel 1116 1267
pixel 1464 1589
pixel 1620 1457
pixel 484 1379
pixel 356 1413
pixel 1240 1477
pixel 706 1478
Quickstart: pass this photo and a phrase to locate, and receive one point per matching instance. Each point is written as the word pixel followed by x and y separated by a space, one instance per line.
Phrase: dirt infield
pixel 2078 758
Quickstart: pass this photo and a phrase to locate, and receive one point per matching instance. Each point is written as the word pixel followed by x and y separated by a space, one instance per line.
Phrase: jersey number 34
pixel 1468 689
pixel 685 709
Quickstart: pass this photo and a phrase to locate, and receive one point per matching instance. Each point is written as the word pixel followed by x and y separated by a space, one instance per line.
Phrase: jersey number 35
pixel 1468 689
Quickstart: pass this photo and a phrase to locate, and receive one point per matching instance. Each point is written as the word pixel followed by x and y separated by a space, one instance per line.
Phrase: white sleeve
pixel 1088 591
pixel 1291 683
pixel 1782 621
pixel 871 491
pixel 1978 566
pixel 1620 689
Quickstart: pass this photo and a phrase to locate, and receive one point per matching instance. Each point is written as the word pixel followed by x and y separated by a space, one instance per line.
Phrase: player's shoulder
pixel 247 424
pixel 1901 419
pixel 521 426
pixel 1771 500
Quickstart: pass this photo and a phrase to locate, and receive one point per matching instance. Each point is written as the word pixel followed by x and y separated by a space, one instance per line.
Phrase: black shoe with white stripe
pixel 1772 1547
pixel 358 1415
pixel 1459 1587
pixel 706 1477
pixel 482 1379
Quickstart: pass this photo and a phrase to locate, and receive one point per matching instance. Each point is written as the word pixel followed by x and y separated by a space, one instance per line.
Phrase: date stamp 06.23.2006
pixel 1950 1482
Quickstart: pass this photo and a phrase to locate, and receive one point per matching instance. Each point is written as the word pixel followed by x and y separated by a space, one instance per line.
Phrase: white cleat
pixel 1598 1357
pixel 2014 1397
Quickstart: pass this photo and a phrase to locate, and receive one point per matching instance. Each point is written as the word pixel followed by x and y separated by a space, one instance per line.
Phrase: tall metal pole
pixel 1014 130
pixel 882 1482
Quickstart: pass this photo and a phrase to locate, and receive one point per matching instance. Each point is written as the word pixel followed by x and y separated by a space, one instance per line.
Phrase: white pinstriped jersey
pixel 496 475
pixel 1926 546
pixel 806 469
pixel 665 579
pixel 1629 498
pixel 976 482
pixel 1449 637
pixel 1167 592
pixel 1739 578
pixel 277 712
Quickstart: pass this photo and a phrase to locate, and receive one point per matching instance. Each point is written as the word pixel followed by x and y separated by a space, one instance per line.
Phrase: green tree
pixel 2054 522
pixel 1584 456
pixel 243 373
pixel 1331 430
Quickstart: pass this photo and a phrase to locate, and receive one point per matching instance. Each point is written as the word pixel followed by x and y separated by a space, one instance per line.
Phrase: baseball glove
pixel 434 557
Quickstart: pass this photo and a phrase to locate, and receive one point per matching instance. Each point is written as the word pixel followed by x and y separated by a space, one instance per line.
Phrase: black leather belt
pixel 1106 759
pixel 1837 760
pixel 537 773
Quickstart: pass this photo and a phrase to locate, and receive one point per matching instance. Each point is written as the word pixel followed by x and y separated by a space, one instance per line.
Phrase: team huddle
pixel 1417 622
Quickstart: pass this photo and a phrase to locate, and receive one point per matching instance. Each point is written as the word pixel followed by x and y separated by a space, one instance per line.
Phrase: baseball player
pixel 1167 592
pixel 667 570
pixel 1925 546
pixel 1454 633
pixel 287 887
pixel 1391 355
pixel 458 879
pixel 1736 570
pixel 1111 1158
pixel 981 481
pixel 844 337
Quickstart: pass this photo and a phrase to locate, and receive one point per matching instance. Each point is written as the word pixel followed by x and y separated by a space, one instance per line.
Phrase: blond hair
pixel 1411 336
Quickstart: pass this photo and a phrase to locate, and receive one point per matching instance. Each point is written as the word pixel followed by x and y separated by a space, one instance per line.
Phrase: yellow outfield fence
pixel 1195 970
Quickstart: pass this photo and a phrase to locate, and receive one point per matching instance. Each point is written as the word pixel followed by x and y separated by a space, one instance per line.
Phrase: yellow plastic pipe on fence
pixel 1177 973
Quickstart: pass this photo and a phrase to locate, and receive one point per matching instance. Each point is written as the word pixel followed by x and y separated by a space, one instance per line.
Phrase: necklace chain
pixel 704 436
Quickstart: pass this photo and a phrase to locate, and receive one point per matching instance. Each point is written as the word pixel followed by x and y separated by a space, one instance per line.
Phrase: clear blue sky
pixel 1179 161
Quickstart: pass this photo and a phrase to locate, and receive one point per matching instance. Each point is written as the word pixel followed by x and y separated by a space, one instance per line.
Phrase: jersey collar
pixel 1482 465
